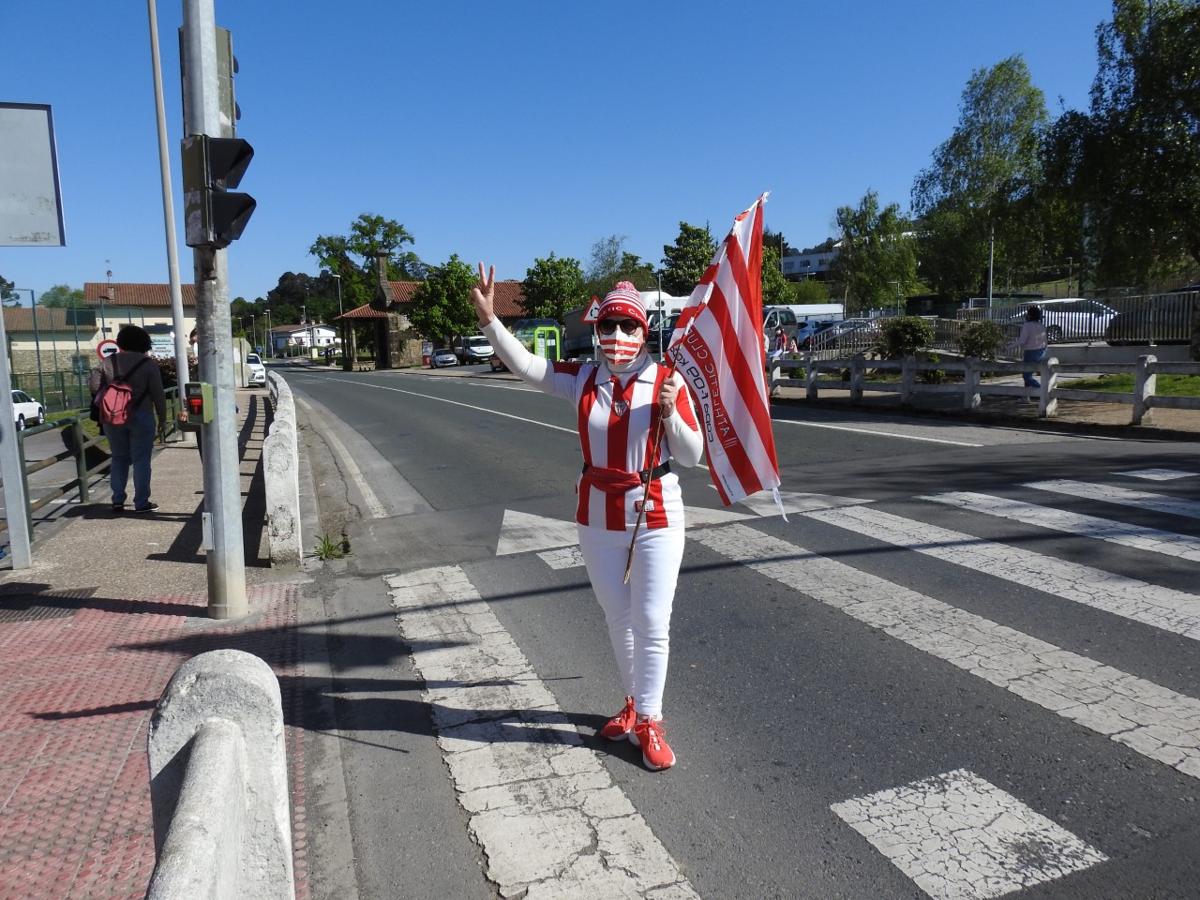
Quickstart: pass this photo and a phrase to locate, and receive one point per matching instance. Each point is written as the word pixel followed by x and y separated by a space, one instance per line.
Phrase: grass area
pixel 1166 386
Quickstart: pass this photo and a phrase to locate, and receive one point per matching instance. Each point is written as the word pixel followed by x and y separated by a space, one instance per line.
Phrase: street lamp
pixel 339 289
pixel 661 349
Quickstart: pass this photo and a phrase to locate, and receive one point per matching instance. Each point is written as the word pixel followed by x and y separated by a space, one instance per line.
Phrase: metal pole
pixel 991 260
pixel 270 336
pixel 11 469
pixel 37 345
pixel 339 287
pixel 164 166
pixel 222 471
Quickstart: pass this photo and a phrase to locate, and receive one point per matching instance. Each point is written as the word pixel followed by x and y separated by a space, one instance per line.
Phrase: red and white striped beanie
pixel 623 301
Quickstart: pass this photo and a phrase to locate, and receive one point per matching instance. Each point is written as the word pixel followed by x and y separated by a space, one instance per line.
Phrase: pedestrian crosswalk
pixel 952 832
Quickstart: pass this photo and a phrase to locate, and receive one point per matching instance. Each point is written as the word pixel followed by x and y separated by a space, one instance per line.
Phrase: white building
pixel 313 335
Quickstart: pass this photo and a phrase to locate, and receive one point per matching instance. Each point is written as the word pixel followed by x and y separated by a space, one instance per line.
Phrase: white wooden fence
pixel 971 389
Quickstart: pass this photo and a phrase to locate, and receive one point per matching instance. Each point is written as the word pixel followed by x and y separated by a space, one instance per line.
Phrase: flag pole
pixel 646 487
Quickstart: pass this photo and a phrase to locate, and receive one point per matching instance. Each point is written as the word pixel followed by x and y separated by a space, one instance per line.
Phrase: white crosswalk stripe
pixel 1107 493
pixel 1153 720
pixel 1136 536
pixel 540 803
pixel 1159 474
pixel 957 836
pixel 1170 610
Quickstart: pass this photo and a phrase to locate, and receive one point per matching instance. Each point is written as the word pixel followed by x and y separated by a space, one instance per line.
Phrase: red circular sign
pixel 106 348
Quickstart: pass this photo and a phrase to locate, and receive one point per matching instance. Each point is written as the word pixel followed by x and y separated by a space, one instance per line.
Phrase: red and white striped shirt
pixel 617 416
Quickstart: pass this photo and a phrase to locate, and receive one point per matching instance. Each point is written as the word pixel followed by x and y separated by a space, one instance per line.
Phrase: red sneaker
pixel 621 724
pixel 652 738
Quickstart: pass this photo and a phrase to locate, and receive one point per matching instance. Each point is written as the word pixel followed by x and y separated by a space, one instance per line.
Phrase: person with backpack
pixel 127 395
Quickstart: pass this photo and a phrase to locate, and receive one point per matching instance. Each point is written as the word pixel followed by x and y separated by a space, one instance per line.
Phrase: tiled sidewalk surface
pixel 76 695
pixel 78 684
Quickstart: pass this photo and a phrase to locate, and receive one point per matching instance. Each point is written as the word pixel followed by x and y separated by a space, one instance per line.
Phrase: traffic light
pixel 214 216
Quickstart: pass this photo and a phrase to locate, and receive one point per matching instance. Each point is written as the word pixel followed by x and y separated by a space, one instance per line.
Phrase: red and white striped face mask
pixel 620 347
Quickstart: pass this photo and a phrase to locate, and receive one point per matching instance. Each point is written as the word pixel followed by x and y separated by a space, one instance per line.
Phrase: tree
pixel 353 256
pixel 878 260
pixel 1141 166
pixel 297 294
pixel 685 261
pixel 811 291
pixel 8 297
pixel 979 176
pixel 61 296
pixel 442 307
pixel 610 262
pixel 552 286
pixel 776 290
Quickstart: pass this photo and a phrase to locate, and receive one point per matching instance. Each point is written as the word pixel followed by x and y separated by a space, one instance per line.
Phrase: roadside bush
pixel 932 376
pixel 904 336
pixel 982 340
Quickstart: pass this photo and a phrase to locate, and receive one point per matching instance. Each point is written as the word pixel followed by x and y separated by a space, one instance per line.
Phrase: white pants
pixel 638 613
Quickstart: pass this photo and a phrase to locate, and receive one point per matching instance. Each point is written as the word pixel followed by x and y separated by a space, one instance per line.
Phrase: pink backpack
pixel 115 399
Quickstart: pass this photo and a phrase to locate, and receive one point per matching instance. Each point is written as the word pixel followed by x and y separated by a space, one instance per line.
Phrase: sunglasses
pixel 609 326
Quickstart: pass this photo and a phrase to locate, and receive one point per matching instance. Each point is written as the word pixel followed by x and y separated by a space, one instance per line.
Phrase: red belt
pixel 618 481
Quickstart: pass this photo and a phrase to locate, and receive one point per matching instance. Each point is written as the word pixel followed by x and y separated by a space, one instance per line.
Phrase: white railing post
pixel 1048 402
pixel 1145 383
pixel 856 378
pixel 810 376
pixel 907 376
pixel 971 374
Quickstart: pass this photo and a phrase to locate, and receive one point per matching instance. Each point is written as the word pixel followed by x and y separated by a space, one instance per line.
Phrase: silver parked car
pixel 442 357
pixel 26 410
pixel 1071 318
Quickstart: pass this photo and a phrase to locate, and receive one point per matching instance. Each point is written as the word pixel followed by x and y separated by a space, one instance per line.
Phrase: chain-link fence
pixel 55 390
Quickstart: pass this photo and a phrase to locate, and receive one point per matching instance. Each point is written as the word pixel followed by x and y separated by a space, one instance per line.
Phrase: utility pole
pixel 182 374
pixel 12 469
pixel 991 261
pixel 222 470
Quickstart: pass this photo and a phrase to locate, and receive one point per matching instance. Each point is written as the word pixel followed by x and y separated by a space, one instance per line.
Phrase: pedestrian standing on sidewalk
pixel 132 442
pixel 1032 342
pixel 621 400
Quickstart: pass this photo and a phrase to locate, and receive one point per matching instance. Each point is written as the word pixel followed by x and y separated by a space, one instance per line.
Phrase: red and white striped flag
pixel 718 347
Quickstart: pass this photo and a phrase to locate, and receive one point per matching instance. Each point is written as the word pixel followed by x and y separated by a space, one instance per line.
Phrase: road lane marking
pixel 1157 722
pixel 483 409
pixel 370 498
pixel 564 558
pixel 763 503
pixel 890 434
pixel 1107 493
pixel 522 532
pixel 1152 540
pixel 1159 607
pixel 958 836
pixel 1159 474
pixel 542 806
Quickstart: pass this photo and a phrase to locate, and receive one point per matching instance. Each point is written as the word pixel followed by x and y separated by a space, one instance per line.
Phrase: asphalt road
pixel 827 676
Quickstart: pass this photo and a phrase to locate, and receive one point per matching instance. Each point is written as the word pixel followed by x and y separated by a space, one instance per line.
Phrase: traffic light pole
pixel 222 468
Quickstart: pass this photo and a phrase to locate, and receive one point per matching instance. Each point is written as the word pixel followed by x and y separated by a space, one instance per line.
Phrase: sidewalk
pixel 88 640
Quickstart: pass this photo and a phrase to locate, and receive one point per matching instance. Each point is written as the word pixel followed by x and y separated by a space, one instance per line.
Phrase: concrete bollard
pixel 281 470
pixel 1047 400
pixel 218 783
pixel 1145 385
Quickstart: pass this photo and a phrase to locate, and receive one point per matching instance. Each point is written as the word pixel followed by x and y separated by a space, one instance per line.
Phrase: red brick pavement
pixel 76 695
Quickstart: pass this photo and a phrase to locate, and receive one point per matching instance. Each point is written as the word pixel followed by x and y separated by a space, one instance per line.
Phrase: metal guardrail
pixel 1153 319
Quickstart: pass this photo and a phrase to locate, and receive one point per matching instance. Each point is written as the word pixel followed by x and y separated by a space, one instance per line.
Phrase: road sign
pixel 107 348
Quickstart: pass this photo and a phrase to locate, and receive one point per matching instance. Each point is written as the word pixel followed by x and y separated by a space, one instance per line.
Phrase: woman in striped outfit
pixel 622 399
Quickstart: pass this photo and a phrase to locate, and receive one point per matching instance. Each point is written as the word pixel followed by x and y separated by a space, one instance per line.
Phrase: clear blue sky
pixel 505 131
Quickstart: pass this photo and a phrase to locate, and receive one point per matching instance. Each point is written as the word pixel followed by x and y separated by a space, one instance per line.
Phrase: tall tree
pixel 978 178
pixel 878 261
pixel 353 256
pixel 684 261
pixel 776 290
pixel 552 286
pixel 1142 168
pixel 610 262
pixel 442 307
pixel 61 296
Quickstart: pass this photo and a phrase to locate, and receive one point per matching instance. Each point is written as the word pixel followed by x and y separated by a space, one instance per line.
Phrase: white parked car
pixel 26 410
pixel 1071 318
pixel 258 372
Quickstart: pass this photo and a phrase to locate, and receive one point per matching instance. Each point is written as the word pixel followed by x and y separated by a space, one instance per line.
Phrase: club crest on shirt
pixel 620 407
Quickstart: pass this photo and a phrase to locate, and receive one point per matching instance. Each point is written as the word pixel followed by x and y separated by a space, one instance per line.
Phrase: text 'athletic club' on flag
pixel 718 347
